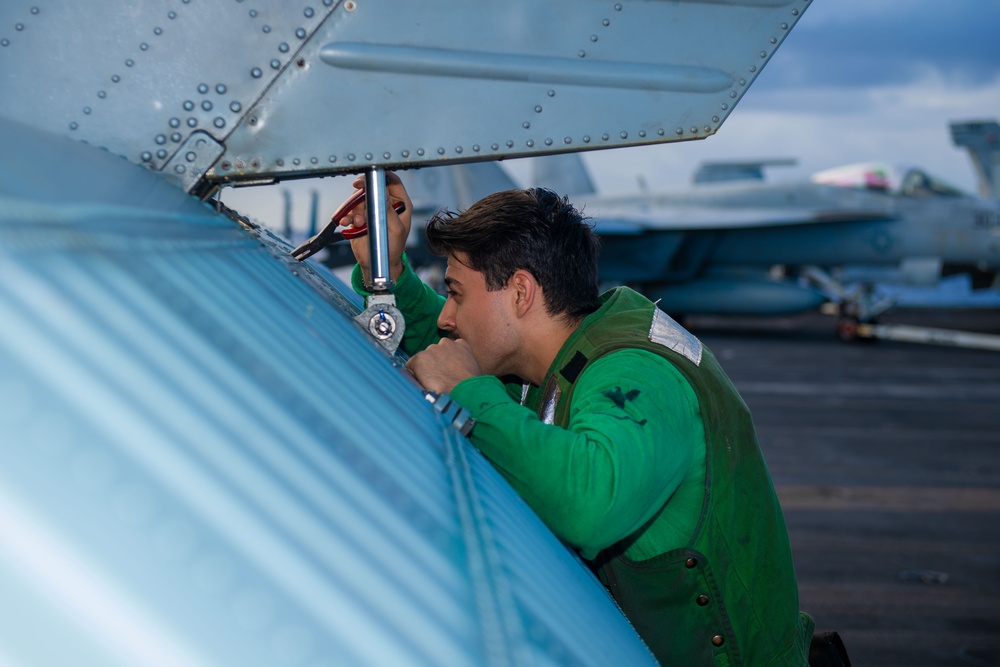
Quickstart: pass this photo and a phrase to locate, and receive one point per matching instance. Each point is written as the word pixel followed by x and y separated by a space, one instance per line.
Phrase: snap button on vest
pixel 691 562
pixel 702 600
pixel 717 640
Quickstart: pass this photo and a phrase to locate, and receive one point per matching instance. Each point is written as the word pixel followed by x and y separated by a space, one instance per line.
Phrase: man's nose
pixel 446 320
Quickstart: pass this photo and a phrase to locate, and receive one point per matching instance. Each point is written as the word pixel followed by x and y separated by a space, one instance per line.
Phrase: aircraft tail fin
pixel 456 186
pixel 313 212
pixel 430 189
pixel 753 170
pixel 287 213
pixel 565 174
pixel 982 139
pixel 474 181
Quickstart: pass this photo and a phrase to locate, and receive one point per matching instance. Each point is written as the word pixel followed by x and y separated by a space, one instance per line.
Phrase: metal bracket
pixel 195 156
pixel 383 321
pixel 381 318
pixel 453 413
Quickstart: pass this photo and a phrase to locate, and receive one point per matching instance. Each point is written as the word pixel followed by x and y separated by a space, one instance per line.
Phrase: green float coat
pixel 729 595
pixel 643 458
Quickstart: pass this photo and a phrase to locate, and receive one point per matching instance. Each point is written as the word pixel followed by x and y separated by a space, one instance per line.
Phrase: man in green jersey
pixel 615 424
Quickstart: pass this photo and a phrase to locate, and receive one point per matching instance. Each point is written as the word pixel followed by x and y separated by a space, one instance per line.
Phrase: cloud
pixel 854 81
pixel 848 44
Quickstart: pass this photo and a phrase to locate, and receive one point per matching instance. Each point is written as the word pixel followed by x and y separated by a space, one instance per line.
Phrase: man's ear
pixel 525 291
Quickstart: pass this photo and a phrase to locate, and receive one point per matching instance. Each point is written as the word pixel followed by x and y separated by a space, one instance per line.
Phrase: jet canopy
pixel 891 179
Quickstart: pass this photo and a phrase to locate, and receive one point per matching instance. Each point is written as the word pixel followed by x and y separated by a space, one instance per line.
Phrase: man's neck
pixel 543 347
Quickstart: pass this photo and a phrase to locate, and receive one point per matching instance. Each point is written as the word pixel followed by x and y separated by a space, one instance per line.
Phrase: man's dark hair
pixel 535 230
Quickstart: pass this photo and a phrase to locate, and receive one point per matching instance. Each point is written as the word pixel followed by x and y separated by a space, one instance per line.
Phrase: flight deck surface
pixel 885 457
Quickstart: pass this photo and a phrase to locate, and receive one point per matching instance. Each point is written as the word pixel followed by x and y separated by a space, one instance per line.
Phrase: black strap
pixel 571 371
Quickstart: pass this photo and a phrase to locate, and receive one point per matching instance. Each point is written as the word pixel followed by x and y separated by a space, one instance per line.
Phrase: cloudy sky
pixel 856 80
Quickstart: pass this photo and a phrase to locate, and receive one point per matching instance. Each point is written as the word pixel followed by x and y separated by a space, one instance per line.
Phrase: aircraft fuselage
pixel 723 242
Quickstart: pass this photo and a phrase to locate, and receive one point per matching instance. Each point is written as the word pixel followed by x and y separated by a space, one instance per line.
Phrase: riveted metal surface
pixel 198 152
pixel 316 88
pixel 139 78
pixel 502 83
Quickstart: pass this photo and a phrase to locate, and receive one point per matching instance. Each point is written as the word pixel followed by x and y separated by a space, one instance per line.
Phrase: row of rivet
pixel 129 62
pixel 19 27
pixel 753 70
pixel 284 47
pixel 606 22
pixel 538 108
pixel 405 154
pixel 235 106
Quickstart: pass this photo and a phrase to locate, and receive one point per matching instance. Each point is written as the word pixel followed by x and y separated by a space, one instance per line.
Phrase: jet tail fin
pixel 456 186
pixel 474 181
pixel 287 213
pixel 565 174
pixel 313 213
pixel 430 189
pixel 982 139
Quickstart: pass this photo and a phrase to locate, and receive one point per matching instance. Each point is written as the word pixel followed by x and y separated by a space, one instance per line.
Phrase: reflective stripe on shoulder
pixel 665 331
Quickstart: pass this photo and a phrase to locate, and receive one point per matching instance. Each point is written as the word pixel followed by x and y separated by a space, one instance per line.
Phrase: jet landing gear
pixel 851 329
pixel 847 328
pixel 856 307
pixel 858 311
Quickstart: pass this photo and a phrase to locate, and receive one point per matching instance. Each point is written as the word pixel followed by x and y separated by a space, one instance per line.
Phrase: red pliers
pixel 329 234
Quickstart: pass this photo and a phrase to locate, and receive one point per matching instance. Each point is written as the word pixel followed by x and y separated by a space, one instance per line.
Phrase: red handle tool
pixel 329 234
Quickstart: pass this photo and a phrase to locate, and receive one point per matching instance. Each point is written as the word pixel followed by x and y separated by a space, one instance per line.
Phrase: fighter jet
pixel 210 454
pixel 737 244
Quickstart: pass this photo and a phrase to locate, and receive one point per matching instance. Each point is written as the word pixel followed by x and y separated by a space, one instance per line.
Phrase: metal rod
pixel 378 228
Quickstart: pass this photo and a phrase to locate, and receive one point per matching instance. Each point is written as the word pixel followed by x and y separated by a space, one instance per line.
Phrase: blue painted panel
pixel 205 461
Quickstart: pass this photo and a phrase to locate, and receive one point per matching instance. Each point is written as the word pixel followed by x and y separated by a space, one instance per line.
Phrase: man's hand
pixel 443 365
pixel 398 226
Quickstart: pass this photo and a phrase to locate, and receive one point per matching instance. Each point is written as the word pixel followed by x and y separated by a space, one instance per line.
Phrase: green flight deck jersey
pixel 640 454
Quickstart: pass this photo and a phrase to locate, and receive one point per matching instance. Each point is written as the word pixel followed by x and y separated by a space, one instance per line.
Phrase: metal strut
pixel 381 318
pixel 378 241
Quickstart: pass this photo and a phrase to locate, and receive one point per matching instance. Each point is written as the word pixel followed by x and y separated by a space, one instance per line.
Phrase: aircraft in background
pixel 736 244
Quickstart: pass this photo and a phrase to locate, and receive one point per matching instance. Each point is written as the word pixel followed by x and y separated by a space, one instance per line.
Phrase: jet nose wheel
pixel 847 328
pixel 851 330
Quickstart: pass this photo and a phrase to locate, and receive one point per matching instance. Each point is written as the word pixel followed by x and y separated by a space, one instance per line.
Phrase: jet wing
pixel 220 92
